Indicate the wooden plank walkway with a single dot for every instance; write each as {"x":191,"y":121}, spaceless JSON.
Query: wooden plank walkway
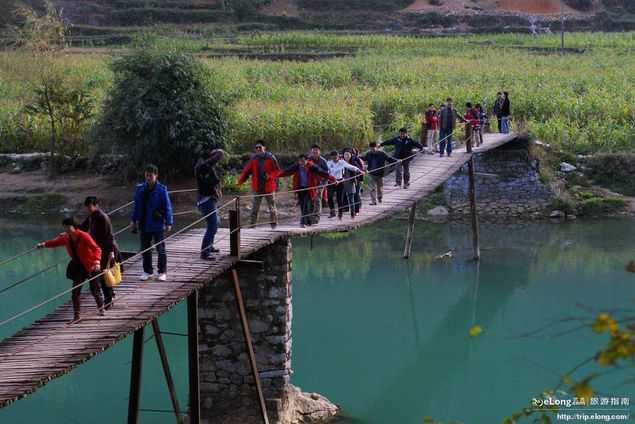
{"x":49,"y":348}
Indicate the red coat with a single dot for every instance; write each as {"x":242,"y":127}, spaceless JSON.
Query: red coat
{"x":270,"y":171}
{"x":314,"y":173}
{"x":87,"y":250}
{"x":472,"y":116}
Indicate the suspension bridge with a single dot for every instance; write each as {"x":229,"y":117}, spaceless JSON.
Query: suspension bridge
{"x":50,"y":348}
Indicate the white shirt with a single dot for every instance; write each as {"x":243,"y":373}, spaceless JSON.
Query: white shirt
{"x":336,"y":169}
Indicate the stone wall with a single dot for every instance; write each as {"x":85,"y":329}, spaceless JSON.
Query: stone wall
{"x":507,"y":185}
{"x":228,"y":393}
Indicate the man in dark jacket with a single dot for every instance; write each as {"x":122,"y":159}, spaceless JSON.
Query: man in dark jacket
{"x":498,"y":110}
{"x":403,"y":151}
{"x":209,"y":191}
{"x":263,"y":168}
{"x":375,"y":164}
{"x":98,"y":225}
{"x":447,"y":122}
{"x":152,"y":216}
{"x":320,"y":162}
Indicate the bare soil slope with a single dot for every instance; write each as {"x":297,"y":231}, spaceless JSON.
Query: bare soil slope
{"x":530,"y":7}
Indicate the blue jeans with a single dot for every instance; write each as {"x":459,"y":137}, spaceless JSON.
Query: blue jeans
{"x":147,"y":240}
{"x":446,"y":140}
{"x":212,"y":226}
{"x":505,"y":124}
{"x":358,"y":196}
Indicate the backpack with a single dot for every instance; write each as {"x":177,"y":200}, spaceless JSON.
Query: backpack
{"x":207,"y":180}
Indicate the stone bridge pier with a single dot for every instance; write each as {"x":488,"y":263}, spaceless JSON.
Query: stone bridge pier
{"x":228,"y":391}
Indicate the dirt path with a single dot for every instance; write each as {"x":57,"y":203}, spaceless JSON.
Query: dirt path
{"x":281,"y":8}
{"x":538,"y":7}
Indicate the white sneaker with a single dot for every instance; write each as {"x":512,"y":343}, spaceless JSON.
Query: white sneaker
{"x":145,"y":276}
{"x":163,"y":277}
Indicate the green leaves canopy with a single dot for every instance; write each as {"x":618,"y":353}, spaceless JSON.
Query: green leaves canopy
{"x":160,"y":111}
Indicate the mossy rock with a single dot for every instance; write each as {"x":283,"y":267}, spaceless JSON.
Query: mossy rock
{"x":600,"y":206}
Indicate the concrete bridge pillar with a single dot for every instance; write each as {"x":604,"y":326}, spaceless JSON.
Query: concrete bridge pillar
{"x":228,"y":392}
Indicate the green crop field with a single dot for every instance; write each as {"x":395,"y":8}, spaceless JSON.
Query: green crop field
{"x":582,"y":101}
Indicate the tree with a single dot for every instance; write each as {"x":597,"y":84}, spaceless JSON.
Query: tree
{"x":67,"y":105}
{"x":160,"y":110}
{"x":40,"y":33}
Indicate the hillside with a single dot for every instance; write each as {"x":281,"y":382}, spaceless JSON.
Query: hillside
{"x":88,"y":16}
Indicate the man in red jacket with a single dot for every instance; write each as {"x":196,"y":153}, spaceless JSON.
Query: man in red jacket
{"x":307,"y":177}
{"x":85,"y":263}
{"x":263,"y":168}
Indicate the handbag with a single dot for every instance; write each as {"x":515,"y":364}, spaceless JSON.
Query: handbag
{"x":112,"y":274}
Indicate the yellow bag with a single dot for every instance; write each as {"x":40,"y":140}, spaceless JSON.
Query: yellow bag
{"x":112,"y":274}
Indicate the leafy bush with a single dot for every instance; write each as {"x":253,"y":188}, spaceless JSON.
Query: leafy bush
{"x":159,"y":110}
{"x":600,"y":206}
{"x":614,"y":171}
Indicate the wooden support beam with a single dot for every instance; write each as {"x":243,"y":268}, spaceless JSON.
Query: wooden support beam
{"x":135,"y":377}
{"x":475,"y":230}
{"x":407,"y":250}
{"x":158,"y":338}
{"x":250,"y":349}
{"x":192,"y":342}
{"x":234,"y":230}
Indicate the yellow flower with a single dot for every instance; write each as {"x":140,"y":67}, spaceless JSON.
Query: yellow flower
{"x":604,"y":359}
{"x":475,"y":330}
{"x":584,"y":391}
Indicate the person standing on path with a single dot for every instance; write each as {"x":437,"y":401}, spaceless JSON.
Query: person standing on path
{"x":349,"y":183}
{"x":321,"y":163}
{"x":85,"y":263}
{"x":306,"y":179}
{"x":447,"y":122}
{"x":152,"y":218}
{"x":209,"y":192}
{"x":403,"y":151}
{"x":376,"y":162}
{"x":263,"y":168}
{"x":99,"y":226}
{"x":498,"y":110}
{"x":505,"y":113}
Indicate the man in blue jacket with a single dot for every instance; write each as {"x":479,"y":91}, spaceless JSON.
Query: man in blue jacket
{"x":152,"y":217}
{"x":403,"y":151}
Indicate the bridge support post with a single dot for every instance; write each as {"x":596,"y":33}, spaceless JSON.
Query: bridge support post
{"x":192,"y":342}
{"x":234,"y":230}
{"x":158,"y":338}
{"x":475,"y":230}
{"x":410,"y":232}
{"x":472,"y":193}
{"x":135,"y":377}
{"x":248,"y":344}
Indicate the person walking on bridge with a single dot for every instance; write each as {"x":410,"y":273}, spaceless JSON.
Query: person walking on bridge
{"x":321,"y":163}
{"x":152,"y":218}
{"x":99,"y":226}
{"x":337,"y":166}
{"x":403,"y":151}
{"x":498,"y":110}
{"x":85,"y":263}
{"x":447,"y":122}
{"x":263,"y":168}
{"x":376,"y":164}
{"x":209,"y":192}
{"x":505,"y":113}
{"x":306,"y":181}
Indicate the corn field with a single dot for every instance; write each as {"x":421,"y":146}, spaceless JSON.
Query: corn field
{"x":582,"y":102}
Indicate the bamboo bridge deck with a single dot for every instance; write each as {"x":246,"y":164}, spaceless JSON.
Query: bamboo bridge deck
{"x":49,"y":348}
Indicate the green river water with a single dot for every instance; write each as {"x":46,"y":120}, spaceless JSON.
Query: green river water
{"x":385,"y":338}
